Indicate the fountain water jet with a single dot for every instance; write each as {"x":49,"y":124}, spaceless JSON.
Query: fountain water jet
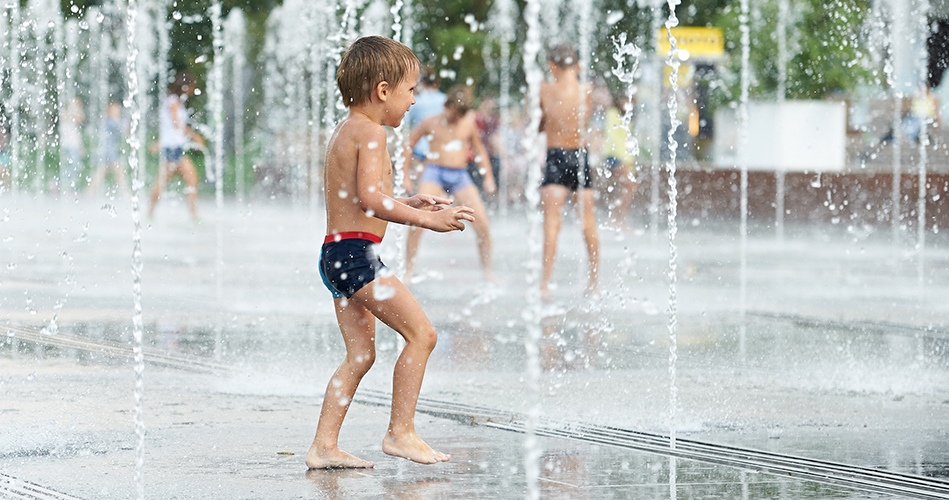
{"x":133,"y":103}
{"x":532,"y":312}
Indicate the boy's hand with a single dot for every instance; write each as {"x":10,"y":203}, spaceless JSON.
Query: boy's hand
{"x":428,"y":202}
{"x":450,"y":219}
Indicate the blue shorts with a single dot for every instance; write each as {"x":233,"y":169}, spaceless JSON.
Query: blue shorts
{"x":349,"y":261}
{"x":173,"y":154}
{"x":451,"y":180}
{"x":563,"y":168}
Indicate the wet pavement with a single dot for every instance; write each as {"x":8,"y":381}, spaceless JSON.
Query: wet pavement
{"x":841,"y":356}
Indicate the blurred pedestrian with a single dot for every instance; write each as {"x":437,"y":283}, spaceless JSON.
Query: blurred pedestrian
{"x":110,"y":137}
{"x":70,"y":141}
{"x":566,"y":105}
{"x":173,"y":136}
{"x":618,"y":151}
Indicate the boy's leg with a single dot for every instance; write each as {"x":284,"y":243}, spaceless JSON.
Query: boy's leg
{"x":626,"y":192}
{"x":402,"y":313}
{"x":471,"y":197}
{"x":552,"y":197}
{"x":358,"y":326}
{"x":190,"y":175}
{"x":163,"y":175}
{"x":415,"y":233}
{"x":590,"y":237}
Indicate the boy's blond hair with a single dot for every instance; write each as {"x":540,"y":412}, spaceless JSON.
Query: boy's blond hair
{"x":369,"y":61}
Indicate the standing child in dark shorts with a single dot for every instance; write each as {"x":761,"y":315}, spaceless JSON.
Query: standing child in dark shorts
{"x":376,"y":78}
{"x":565,"y":105}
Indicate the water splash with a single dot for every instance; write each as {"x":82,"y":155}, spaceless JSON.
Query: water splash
{"x":132,"y":102}
{"x":532,"y":312}
{"x":502,"y":21}
{"x":398,"y":164}
{"x":235,"y":35}
{"x":216,"y":96}
{"x":743,"y":166}
{"x":923,"y":29}
{"x":626,"y":54}
{"x":16,"y":97}
{"x":673,"y":62}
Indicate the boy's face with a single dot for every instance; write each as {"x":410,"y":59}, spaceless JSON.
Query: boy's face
{"x":401,"y":98}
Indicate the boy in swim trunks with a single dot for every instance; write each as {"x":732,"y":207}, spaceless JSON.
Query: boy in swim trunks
{"x":376,"y":78}
{"x":450,"y":135}
{"x":565,"y":105}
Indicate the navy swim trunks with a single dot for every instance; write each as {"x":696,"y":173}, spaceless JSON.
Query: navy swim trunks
{"x":349,"y":261}
{"x":563,"y":167}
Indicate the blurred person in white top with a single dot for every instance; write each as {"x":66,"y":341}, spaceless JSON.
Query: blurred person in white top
{"x":174,"y":134}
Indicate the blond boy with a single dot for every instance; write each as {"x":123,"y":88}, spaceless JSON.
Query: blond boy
{"x":376,"y":78}
{"x":451,"y":134}
{"x":565,"y":106}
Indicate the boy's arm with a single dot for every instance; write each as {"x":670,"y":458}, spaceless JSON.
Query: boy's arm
{"x":416,"y":135}
{"x":484,"y":162}
{"x":373,"y":200}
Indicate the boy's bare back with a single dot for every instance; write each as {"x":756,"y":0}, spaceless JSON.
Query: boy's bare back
{"x":560,"y":104}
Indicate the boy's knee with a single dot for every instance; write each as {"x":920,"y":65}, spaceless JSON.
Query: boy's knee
{"x":363,"y":361}
{"x":427,"y":338}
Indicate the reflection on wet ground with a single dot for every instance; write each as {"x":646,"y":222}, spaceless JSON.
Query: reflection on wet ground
{"x":842,"y":354}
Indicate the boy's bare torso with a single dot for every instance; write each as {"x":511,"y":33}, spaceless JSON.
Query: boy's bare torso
{"x":343,"y":211}
{"x":449,"y":141}
{"x":560,"y":103}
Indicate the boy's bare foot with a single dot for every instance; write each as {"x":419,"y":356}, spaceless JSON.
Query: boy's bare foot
{"x":334,"y":459}
{"x":413,"y":448}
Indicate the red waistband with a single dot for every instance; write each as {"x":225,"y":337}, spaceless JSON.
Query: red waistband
{"x":351,"y":235}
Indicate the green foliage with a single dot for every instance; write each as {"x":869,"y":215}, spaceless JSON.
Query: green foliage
{"x":824,"y":51}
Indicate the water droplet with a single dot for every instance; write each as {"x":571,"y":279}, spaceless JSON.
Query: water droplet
{"x":372,"y":145}
{"x":389,"y":204}
{"x":343,"y":194}
{"x":383,"y":292}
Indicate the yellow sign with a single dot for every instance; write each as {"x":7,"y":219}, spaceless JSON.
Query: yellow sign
{"x":701,"y":43}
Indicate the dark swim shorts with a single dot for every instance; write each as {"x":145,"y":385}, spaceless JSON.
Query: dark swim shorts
{"x":349,"y":261}
{"x":563,"y":165}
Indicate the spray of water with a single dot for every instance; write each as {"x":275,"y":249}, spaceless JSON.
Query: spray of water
{"x":534,"y":76}
{"x":779,"y":175}
{"x":889,"y":69}
{"x":626,"y":54}
{"x":16,"y":48}
{"x":502,"y":21}
{"x":742,"y":141}
{"x":922,"y":27}
{"x":398,"y":164}
{"x":132,"y":104}
{"x":234,"y":34}
{"x":673,"y":62}
{"x":657,"y":134}
{"x":216,"y":95}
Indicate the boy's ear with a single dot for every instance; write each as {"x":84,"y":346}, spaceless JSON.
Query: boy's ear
{"x":382,"y":90}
